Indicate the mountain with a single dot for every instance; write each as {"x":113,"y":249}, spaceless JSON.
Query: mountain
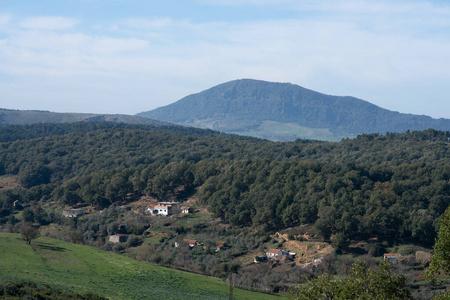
{"x":284,"y":111}
{"x":23,"y":117}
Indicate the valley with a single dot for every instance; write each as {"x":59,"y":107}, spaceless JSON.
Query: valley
{"x":268,"y":215}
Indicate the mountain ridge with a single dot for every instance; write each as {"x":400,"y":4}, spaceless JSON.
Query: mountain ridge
{"x":25,"y":117}
{"x":246,"y":106}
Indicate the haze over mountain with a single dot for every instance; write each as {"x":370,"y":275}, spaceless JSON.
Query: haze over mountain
{"x":23,"y":117}
{"x":284,"y":111}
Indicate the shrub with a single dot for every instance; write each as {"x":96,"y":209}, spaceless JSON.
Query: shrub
{"x":423,"y":258}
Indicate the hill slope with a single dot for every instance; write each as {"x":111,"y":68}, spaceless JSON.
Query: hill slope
{"x":283,"y":111}
{"x":22,"y":117}
{"x":85,"y":269}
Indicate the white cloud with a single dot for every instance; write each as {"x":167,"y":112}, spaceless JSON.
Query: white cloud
{"x":147,"y":24}
{"x":376,"y":51}
{"x":48,"y":23}
{"x":4,"y":19}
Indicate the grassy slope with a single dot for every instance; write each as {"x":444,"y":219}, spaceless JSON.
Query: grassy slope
{"x":85,"y":269}
{"x":284,"y":132}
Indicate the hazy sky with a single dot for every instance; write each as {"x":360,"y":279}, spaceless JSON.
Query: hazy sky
{"x":128,"y":56}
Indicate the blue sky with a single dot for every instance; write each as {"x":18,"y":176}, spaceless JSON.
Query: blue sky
{"x":130,"y":56}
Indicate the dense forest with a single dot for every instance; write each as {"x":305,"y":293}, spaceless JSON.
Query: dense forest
{"x":392,"y":186}
{"x":10,"y":133}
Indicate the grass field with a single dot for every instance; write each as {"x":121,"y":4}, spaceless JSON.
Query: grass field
{"x":85,"y":269}
{"x":288,"y":131}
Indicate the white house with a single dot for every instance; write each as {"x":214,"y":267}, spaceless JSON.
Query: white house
{"x":162,"y":210}
{"x":272,"y":253}
{"x":72,"y":213}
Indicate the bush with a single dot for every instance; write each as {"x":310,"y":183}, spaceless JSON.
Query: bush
{"x":133,"y":241}
{"x":408,"y":260}
{"x":117,"y":248}
{"x":407,"y":249}
{"x":423,"y":258}
{"x":375,"y":249}
{"x":340,"y":243}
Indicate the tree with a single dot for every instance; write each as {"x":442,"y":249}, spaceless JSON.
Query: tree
{"x":28,"y":232}
{"x":340,"y":243}
{"x":35,"y":176}
{"x":440,"y":263}
{"x":231,"y":268}
{"x":28,"y":215}
{"x":361,"y":283}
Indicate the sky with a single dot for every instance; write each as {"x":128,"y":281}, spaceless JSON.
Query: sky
{"x":129,"y":56}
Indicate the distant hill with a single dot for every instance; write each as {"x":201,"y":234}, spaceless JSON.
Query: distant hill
{"x":23,"y":117}
{"x":284,"y":111}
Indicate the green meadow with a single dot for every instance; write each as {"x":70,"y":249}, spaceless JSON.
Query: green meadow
{"x":84,"y":269}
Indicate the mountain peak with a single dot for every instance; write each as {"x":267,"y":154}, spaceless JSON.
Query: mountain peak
{"x":285,"y":111}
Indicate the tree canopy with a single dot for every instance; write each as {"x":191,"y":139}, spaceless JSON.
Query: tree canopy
{"x":440,"y":264}
{"x":361,"y":283}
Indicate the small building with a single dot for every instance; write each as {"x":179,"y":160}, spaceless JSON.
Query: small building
{"x":318,"y":261}
{"x":392,"y":257}
{"x":161,"y":210}
{"x":192,"y":243}
{"x":220,"y":246}
{"x":272,"y":253}
{"x":164,"y":208}
{"x":72,"y":213}
{"x":186,"y":210}
{"x":174,"y":205}
{"x":118,"y":238}
{"x":17,"y":204}
{"x":280,"y":254}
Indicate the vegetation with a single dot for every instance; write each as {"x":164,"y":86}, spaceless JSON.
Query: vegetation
{"x":440,"y":263}
{"x":364,"y":196}
{"x":11,"y":133}
{"x":28,"y":232}
{"x":21,"y":117}
{"x":359,"y":188}
{"x":83,"y":269}
{"x":361,"y":283}
{"x":30,"y":290}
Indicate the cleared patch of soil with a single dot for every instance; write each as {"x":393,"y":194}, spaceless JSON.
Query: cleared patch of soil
{"x":9,"y":181}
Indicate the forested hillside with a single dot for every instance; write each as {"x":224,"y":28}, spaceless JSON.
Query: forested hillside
{"x":391,"y":186}
{"x":10,"y":133}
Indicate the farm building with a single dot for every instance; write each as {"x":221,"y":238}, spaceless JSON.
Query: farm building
{"x":72,"y":213}
{"x":118,"y":238}
{"x":186,"y":210}
{"x":164,"y":208}
{"x":392,"y":257}
{"x":220,"y":246}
